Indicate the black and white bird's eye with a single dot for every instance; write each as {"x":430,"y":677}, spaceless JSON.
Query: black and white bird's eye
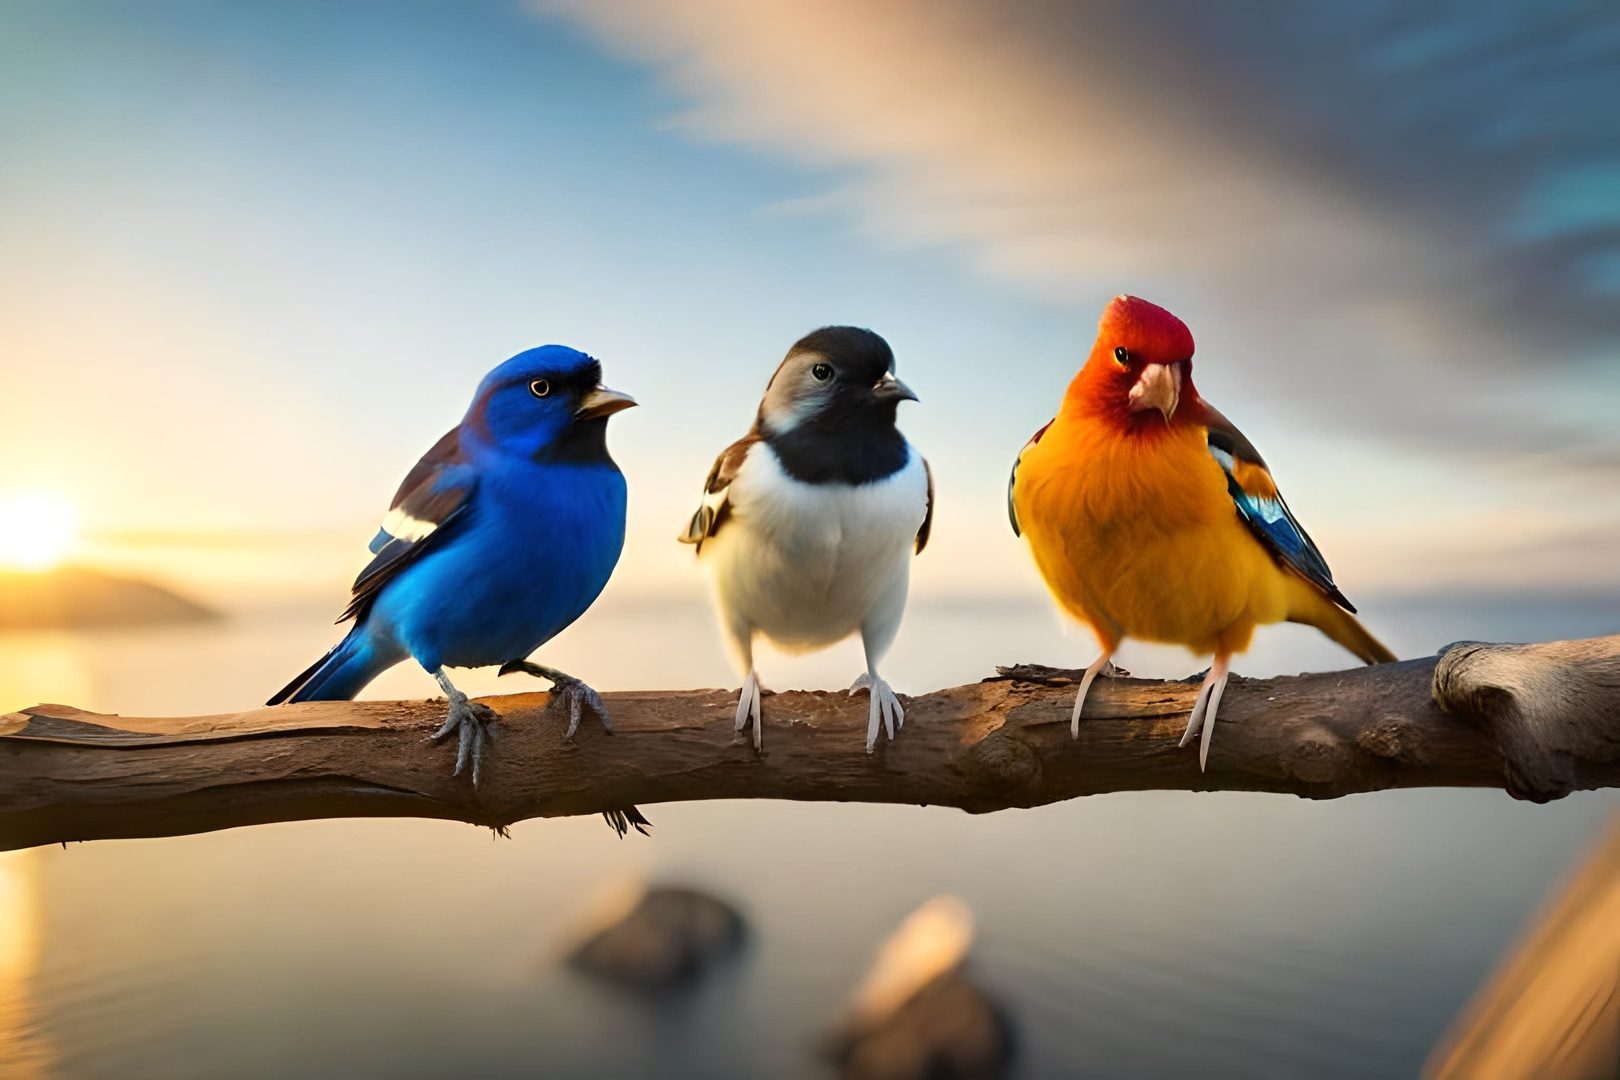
{"x":822,"y":372}
{"x":540,"y":387}
{"x":1123,"y":355}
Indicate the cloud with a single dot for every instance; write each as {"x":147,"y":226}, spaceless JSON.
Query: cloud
{"x":1399,"y":217}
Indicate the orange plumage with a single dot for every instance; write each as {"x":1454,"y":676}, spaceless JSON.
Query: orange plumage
{"x":1150,"y":515}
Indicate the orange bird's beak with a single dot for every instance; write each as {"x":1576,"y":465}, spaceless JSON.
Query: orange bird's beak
{"x":1158,"y":387}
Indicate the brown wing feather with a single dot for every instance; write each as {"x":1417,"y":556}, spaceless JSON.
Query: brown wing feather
{"x":447,"y":451}
{"x":715,"y":508}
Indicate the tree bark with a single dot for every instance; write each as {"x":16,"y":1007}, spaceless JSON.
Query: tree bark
{"x":1537,"y":720}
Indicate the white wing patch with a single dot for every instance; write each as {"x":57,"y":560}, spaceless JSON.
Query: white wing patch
{"x":402,"y":526}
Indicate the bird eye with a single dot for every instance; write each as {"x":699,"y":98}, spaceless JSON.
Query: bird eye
{"x":822,"y":372}
{"x":540,"y":388}
{"x":1123,"y":355}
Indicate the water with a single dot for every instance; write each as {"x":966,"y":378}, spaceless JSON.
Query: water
{"x":1157,"y":934}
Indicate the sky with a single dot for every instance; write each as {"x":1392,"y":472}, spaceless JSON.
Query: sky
{"x":255,"y":257}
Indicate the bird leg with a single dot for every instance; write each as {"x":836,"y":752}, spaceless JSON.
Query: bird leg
{"x":473,"y":723}
{"x":1204,"y":709}
{"x":748,"y":707}
{"x":565,"y":689}
{"x":1097,"y":665}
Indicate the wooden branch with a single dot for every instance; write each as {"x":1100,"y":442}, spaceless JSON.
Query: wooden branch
{"x":1540,"y":720}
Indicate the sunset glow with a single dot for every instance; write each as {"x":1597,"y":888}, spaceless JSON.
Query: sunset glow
{"x":37,"y":531}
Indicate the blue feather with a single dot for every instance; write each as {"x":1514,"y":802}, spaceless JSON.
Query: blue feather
{"x":1268,"y":517}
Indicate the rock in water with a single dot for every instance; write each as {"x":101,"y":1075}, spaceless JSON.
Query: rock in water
{"x":917,"y":1015}
{"x":669,"y":936}
{"x":948,"y":1030}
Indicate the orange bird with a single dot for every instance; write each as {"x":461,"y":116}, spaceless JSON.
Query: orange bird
{"x":1150,"y":515}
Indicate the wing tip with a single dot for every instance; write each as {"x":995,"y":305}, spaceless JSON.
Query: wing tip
{"x":698,"y":529}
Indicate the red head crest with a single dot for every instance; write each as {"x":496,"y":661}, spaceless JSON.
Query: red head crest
{"x":1145,"y":330}
{"x":1142,"y":360}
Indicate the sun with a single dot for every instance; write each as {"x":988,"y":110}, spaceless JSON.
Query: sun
{"x":37,"y":531}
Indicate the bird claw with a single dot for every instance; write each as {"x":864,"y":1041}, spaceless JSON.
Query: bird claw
{"x":1100,"y":666}
{"x":473,"y":723}
{"x":1204,"y":710}
{"x":565,"y":690}
{"x":748,"y":708}
{"x":579,"y":697}
{"x":885,"y":709}
{"x":1195,"y":722}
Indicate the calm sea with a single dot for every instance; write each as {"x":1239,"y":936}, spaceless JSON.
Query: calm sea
{"x":1156,"y":934}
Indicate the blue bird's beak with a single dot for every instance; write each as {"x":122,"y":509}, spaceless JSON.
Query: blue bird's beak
{"x":603,"y":402}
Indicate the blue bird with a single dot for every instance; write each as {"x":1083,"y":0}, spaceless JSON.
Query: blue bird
{"x":501,"y":536}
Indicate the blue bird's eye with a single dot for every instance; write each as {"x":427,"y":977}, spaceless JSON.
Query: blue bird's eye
{"x":540,"y":388}
{"x":822,"y":372}
{"x":1123,"y":355}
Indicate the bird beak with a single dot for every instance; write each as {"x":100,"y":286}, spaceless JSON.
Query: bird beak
{"x":890,"y":388}
{"x":1158,"y":387}
{"x":603,"y":402}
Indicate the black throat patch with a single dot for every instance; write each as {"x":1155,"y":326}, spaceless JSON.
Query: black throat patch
{"x":849,"y":446}
{"x":584,"y":442}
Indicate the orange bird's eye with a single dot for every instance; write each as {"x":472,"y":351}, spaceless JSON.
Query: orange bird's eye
{"x":1123,"y":355}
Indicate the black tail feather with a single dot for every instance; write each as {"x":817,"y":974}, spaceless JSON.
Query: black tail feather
{"x":303,"y":677}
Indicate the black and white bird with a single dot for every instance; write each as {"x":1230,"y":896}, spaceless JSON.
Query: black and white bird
{"x":809,"y":521}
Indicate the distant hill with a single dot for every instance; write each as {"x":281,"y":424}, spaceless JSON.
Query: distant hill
{"x":73,"y":597}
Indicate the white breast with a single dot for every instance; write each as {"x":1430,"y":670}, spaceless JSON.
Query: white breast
{"x":806,"y":564}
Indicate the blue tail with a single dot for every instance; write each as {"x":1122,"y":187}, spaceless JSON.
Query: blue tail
{"x":339,"y":675}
